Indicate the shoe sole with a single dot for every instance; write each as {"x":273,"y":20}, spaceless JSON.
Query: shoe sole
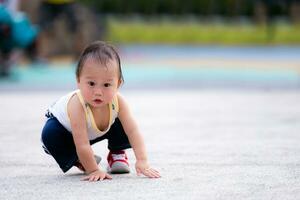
{"x":81,"y":168}
{"x":119,"y":168}
{"x":98,"y":159}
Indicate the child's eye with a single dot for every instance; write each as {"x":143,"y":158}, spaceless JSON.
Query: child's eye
{"x":107,"y":84}
{"x":91,"y":83}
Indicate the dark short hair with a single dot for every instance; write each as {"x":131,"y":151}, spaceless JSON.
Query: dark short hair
{"x":101,"y":51}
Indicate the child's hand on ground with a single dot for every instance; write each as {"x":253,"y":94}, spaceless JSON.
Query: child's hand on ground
{"x":142,"y":167}
{"x":96,"y":176}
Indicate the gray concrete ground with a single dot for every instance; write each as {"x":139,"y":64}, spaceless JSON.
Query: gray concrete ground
{"x":207,"y":144}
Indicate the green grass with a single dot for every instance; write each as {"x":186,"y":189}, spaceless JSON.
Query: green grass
{"x":171,"y":32}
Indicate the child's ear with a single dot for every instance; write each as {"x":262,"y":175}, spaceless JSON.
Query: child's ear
{"x":119,"y":83}
{"x":77,"y":81}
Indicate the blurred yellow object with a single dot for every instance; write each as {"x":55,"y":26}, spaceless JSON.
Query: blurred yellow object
{"x":59,"y":1}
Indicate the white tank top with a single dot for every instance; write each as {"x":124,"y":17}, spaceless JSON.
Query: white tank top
{"x":59,"y":110}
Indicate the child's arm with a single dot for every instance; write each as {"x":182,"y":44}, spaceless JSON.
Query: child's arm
{"x":136,"y":140}
{"x":83,"y":147}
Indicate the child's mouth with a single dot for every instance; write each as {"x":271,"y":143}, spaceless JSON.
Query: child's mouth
{"x":98,"y":101}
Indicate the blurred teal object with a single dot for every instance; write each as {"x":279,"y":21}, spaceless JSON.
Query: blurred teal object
{"x":5,"y":17}
{"x":22,"y":32}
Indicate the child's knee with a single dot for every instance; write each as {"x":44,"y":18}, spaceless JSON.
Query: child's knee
{"x":49,"y":133}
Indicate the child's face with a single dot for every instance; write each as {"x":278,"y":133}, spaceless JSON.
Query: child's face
{"x":98,"y":83}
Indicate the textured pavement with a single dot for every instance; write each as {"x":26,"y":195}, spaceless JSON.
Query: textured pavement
{"x":207,"y":144}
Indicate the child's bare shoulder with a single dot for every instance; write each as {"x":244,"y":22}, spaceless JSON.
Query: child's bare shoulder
{"x":74,"y":106}
{"x":123,"y":105}
{"x":121,"y":100}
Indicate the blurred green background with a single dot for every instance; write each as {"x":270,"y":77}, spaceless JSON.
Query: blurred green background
{"x":225,"y":22}
{"x":201,"y":22}
{"x":172,"y":42}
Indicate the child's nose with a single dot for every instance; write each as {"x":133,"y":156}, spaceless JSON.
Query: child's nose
{"x":98,"y":92}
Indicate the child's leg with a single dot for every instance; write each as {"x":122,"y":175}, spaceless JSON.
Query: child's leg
{"x":117,"y":138}
{"x":59,"y":143}
{"x":117,"y":143}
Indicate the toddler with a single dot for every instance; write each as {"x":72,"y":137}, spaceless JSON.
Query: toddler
{"x":94,"y":112}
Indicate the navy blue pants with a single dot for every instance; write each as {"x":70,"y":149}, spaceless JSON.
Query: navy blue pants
{"x":59,"y":143}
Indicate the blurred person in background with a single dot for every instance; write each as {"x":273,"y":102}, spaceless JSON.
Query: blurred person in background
{"x":16,"y":32}
{"x":51,"y":11}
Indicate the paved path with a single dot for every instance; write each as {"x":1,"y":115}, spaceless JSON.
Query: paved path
{"x":208,"y":144}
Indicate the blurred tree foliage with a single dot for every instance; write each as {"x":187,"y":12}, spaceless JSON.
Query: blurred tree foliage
{"x":228,"y":8}
{"x":272,"y":21}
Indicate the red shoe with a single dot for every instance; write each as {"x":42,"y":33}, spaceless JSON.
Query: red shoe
{"x":118,"y":162}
